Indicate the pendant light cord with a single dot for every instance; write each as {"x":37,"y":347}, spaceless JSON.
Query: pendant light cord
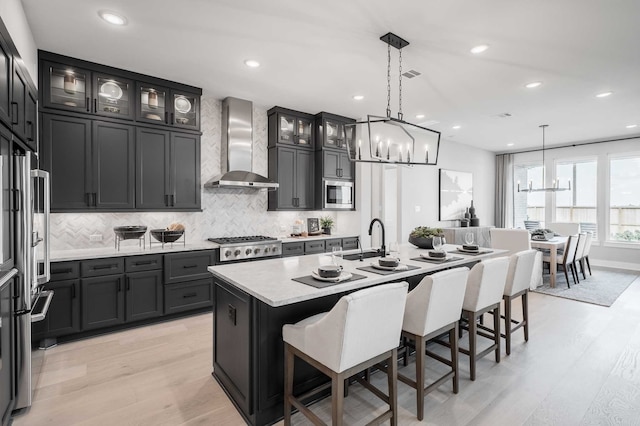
{"x":389,"y":80}
{"x":400,"y":85}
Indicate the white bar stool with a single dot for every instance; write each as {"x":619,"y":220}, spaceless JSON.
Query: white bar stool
{"x":361,"y":330}
{"x":433,"y":308}
{"x":521,"y":267}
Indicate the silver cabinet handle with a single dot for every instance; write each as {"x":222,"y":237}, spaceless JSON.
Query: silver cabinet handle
{"x":37,"y":317}
{"x":46,"y":275}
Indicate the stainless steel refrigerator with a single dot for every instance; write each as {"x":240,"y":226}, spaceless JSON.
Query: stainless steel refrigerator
{"x":25,"y":221}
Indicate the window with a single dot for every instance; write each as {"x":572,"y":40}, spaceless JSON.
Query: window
{"x":624,"y":199}
{"x":528,"y":205}
{"x":579,"y":204}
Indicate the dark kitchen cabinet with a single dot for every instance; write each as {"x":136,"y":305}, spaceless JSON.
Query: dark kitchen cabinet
{"x":144,"y":295}
{"x":162,"y":105}
{"x":19,"y":103}
{"x":65,"y":86}
{"x":288,"y":127}
{"x":293,"y":169}
{"x":331,"y":131}
{"x":167,"y":170}
{"x":103,"y":301}
{"x":6,"y":59}
{"x":336,"y":165}
{"x":63,"y":316}
{"x":92,"y":163}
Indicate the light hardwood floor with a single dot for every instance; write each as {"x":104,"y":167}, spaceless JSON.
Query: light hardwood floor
{"x":581,"y":366}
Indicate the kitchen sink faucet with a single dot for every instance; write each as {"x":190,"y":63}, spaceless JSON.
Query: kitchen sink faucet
{"x":383,"y":249}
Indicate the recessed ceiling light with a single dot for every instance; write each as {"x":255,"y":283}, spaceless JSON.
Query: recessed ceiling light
{"x":603,"y":94}
{"x":419,"y":115}
{"x":358,"y":97}
{"x":252,"y":63}
{"x":479,"y":49}
{"x":112,"y":17}
{"x":456,"y":127}
{"x":631,"y":126}
{"x":533,"y":84}
{"x":510,"y":144}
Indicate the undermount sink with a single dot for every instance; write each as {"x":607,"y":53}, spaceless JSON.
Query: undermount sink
{"x":365,"y":255}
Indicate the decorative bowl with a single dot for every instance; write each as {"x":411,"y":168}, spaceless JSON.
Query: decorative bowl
{"x":130,"y":232}
{"x":166,"y":236}
{"x":423,"y":242}
{"x":329,"y":271}
{"x":390,"y":262}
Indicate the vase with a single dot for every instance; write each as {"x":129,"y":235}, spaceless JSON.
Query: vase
{"x":326,"y":231}
{"x":472,"y":210}
{"x":466,"y":214}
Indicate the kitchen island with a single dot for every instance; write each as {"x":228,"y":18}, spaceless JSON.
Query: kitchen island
{"x":254,"y":300}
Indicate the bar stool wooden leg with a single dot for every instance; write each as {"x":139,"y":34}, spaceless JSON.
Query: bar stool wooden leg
{"x":288,"y":383}
{"x":496,"y":330}
{"x":453,"y":340}
{"x":392,"y":379}
{"x":337,"y":398}
{"x":472,"y":344}
{"x":507,"y":324}
{"x":525,"y":314}
{"x":421,"y":346}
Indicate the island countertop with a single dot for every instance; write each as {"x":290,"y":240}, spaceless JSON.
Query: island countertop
{"x":271,"y":281}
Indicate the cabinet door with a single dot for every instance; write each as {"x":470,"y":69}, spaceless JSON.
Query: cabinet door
{"x":286,"y":178}
{"x":152,"y":103}
{"x":31,"y":119}
{"x":185,"y":171}
{"x":144,"y":295}
{"x":113,"y":96}
{"x":102,"y":301}
{"x":113,"y":165}
{"x":330,"y":164}
{"x":185,"y":110}
{"x":304,"y":133}
{"x":66,"y":87}
{"x":346,"y":166}
{"x":5,"y":83}
{"x":66,"y":154}
{"x":152,"y":169}
{"x":63,"y":316}
{"x":286,"y":125}
{"x":18,"y":102}
{"x":6,"y":215}
{"x":304,"y":179}
{"x":332,"y":134}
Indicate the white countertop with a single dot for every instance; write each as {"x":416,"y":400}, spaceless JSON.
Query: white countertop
{"x":128,"y":250}
{"x":315,"y":237}
{"x":271,"y":281}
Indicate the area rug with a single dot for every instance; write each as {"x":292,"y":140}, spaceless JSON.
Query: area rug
{"x":601,"y":288}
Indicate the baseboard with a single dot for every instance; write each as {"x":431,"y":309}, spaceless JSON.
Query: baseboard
{"x":617,"y":265}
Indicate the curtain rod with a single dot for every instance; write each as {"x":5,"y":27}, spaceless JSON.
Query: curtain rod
{"x":571,"y":145}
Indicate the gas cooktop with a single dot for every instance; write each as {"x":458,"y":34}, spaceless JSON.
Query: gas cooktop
{"x":240,"y":240}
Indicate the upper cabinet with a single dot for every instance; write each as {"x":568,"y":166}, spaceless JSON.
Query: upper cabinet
{"x":288,"y":127}
{"x":5,"y":83}
{"x":83,"y":87}
{"x":178,"y":108}
{"x":331,"y":131}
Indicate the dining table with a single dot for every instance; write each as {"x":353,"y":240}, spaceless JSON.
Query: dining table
{"x":552,"y":245}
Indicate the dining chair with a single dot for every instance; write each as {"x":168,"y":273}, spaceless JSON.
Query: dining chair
{"x":531,"y":224}
{"x":517,"y":240}
{"x":579,"y":257}
{"x":589,"y":227}
{"x":485,"y":287}
{"x":433,"y":308}
{"x":567,"y":259}
{"x":564,"y":228}
{"x":353,"y":336}
{"x":587,"y":249}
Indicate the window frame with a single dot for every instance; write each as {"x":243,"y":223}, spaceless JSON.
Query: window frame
{"x":608,"y":242}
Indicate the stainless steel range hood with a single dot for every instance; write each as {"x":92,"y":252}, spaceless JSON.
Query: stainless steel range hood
{"x":237,"y":148}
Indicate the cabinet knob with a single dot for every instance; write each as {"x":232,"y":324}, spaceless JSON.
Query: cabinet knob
{"x":247,"y":251}
{"x":227,"y":253}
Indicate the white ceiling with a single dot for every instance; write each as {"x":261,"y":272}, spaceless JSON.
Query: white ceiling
{"x":316,"y":55}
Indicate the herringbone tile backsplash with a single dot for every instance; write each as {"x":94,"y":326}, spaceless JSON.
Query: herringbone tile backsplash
{"x":226,"y":212}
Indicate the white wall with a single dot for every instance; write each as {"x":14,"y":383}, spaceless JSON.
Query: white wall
{"x":602,"y":252}
{"x":14,"y":19}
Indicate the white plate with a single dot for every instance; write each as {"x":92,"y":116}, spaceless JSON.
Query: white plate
{"x":329,"y":131}
{"x":111,"y":89}
{"x":438,"y":259}
{"x":153,"y":116}
{"x":182,"y":104}
{"x":286,"y":126}
{"x":343,"y":277}
{"x":400,"y":267}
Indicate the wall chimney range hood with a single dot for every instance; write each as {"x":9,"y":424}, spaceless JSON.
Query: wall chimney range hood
{"x":237,"y":149}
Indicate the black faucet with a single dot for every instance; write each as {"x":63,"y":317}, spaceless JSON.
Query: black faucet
{"x":383,"y":249}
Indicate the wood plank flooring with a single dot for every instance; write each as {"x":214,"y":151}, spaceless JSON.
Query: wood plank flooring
{"x":581,"y":366}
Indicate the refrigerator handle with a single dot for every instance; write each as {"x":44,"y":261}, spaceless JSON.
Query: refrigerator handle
{"x":46,"y":275}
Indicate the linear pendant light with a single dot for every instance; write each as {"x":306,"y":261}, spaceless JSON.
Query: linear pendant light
{"x":556,"y":183}
{"x":392,"y":140}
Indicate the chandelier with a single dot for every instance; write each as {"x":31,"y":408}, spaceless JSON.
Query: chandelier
{"x":556,"y":182}
{"x":393,"y":140}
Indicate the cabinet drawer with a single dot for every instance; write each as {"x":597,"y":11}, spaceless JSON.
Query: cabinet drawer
{"x":187,"y":296}
{"x":99,"y":267}
{"x":311,"y":247}
{"x":350,"y":243}
{"x":329,"y":244}
{"x":187,"y":266}
{"x":65,"y":271}
{"x":143,"y":263}
{"x":292,"y":249}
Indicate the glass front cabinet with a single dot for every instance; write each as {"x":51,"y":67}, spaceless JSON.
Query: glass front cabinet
{"x":333,"y":133}
{"x":294,"y":130}
{"x":157,"y":104}
{"x":113,"y":96}
{"x":67,"y":87}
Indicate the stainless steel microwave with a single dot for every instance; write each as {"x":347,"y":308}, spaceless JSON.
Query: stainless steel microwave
{"x":338,"y":195}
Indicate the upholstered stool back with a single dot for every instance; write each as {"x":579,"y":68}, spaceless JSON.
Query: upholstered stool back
{"x":514,"y":240}
{"x":486,"y":283}
{"x":520,"y":271}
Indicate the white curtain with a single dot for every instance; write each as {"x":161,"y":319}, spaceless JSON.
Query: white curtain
{"x":504,"y":191}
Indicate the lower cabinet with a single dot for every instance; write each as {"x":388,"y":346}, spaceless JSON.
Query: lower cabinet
{"x":102,"y":301}
{"x":63,"y":316}
{"x":187,"y":296}
{"x":144,"y":295}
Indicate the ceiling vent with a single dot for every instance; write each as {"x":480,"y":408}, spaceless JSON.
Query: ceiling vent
{"x":411,"y":73}
{"x":502,"y":115}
